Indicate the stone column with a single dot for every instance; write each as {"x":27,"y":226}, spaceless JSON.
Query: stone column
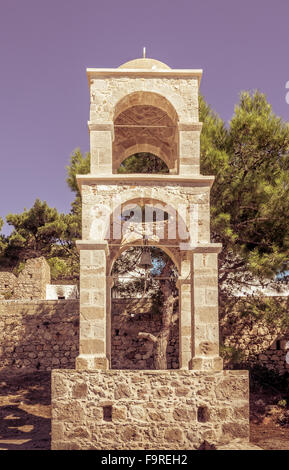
{"x":93,"y":306}
{"x":101,"y":137}
{"x":189,"y":148}
{"x":185,"y":308}
{"x":205,"y":312}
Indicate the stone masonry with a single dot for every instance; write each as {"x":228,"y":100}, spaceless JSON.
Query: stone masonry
{"x":148,"y":409}
{"x":44,"y":335}
{"x":145,"y":106}
{"x":30,"y":284}
{"x":38,"y":334}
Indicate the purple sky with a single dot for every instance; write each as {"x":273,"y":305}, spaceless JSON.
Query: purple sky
{"x":45,"y":47}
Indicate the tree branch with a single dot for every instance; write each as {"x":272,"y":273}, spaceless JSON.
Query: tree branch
{"x":148,"y":336}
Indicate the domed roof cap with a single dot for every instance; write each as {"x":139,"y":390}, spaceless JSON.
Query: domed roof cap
{"x":145,"y":63}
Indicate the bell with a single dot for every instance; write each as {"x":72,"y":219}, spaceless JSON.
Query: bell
{"x":145,"y":260}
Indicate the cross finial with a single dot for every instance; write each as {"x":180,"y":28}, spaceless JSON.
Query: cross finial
{"x":144,"y":52}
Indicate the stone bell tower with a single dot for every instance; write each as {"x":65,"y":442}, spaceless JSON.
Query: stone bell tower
{"x":144,"y":106}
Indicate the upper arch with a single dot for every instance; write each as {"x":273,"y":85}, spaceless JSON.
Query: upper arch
{"x":145,"y":98}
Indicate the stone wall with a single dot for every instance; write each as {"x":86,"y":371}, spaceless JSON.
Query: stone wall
{"x":8,"y":283}
{"x":106,"y":93}
{"x":148,"y":409}
{"x":127,"y":350}
{"x":29,"y":284}
{"x":38,"y":334}
{"x":44,"y":335}
{"x":255,"y":341}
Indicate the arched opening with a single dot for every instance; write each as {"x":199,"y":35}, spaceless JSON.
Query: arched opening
{"x":143,"y":162}
{"x":138,"y":219}
{"x":145,"y":122}
{"x":145,"y":98}
{"x":144,"y":310}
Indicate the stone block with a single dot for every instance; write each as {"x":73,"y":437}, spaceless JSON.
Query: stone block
{"x":206,"y":364}
{"x":97,"y":297}
{"x":174,"y":435}
{"x":119,"y":413}
{"x":211,"y":297}
{"x":205,"y":314}
{"x":57,"y":431}
{"x":79,"y":390}
{"x":91,"y":346}
{"x":92,"y":313}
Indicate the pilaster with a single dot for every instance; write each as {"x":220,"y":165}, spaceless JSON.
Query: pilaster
{"x":101,"y":137}
{"x":205,"y":312}
{"x":93,"y":306}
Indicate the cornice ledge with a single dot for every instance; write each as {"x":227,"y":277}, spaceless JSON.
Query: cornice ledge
{"x":106,"y":72}
{"x":202,"y":247}
{"x":100,"y":126}
{"x":89,"y":178}
{"x":92,"y":245}
{"x":190,"y":126}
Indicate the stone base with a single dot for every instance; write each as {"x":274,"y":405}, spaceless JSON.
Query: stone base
{"x":132,"y":409}
{"x":91,"y":362}
{"x":239,"y":444}
{"x":206,"y":364}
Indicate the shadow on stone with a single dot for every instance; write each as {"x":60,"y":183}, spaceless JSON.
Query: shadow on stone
{"x":207,"y":446}
{"x":25,"y":421}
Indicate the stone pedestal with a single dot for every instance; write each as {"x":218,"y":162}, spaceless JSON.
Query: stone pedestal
{"x":148,"y":409}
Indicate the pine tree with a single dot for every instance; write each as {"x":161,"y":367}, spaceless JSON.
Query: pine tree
{"x":250,"y":197}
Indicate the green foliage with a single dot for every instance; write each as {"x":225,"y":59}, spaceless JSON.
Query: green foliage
{"x":19,"y":268}
{"x":282,"y":403}
{"x":3,"y":240}
{"x":248,"y":311}
{"x":232,"y":356}
{"x":79,"y":165}
{"x":59,"y":268}
{"x":35,"y":231}
{"x":250,"y":197}
{"x":272,"y":310}
{"x":143,"y":163}
{"x":214,"y":142}
{"x":42,"y":231}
